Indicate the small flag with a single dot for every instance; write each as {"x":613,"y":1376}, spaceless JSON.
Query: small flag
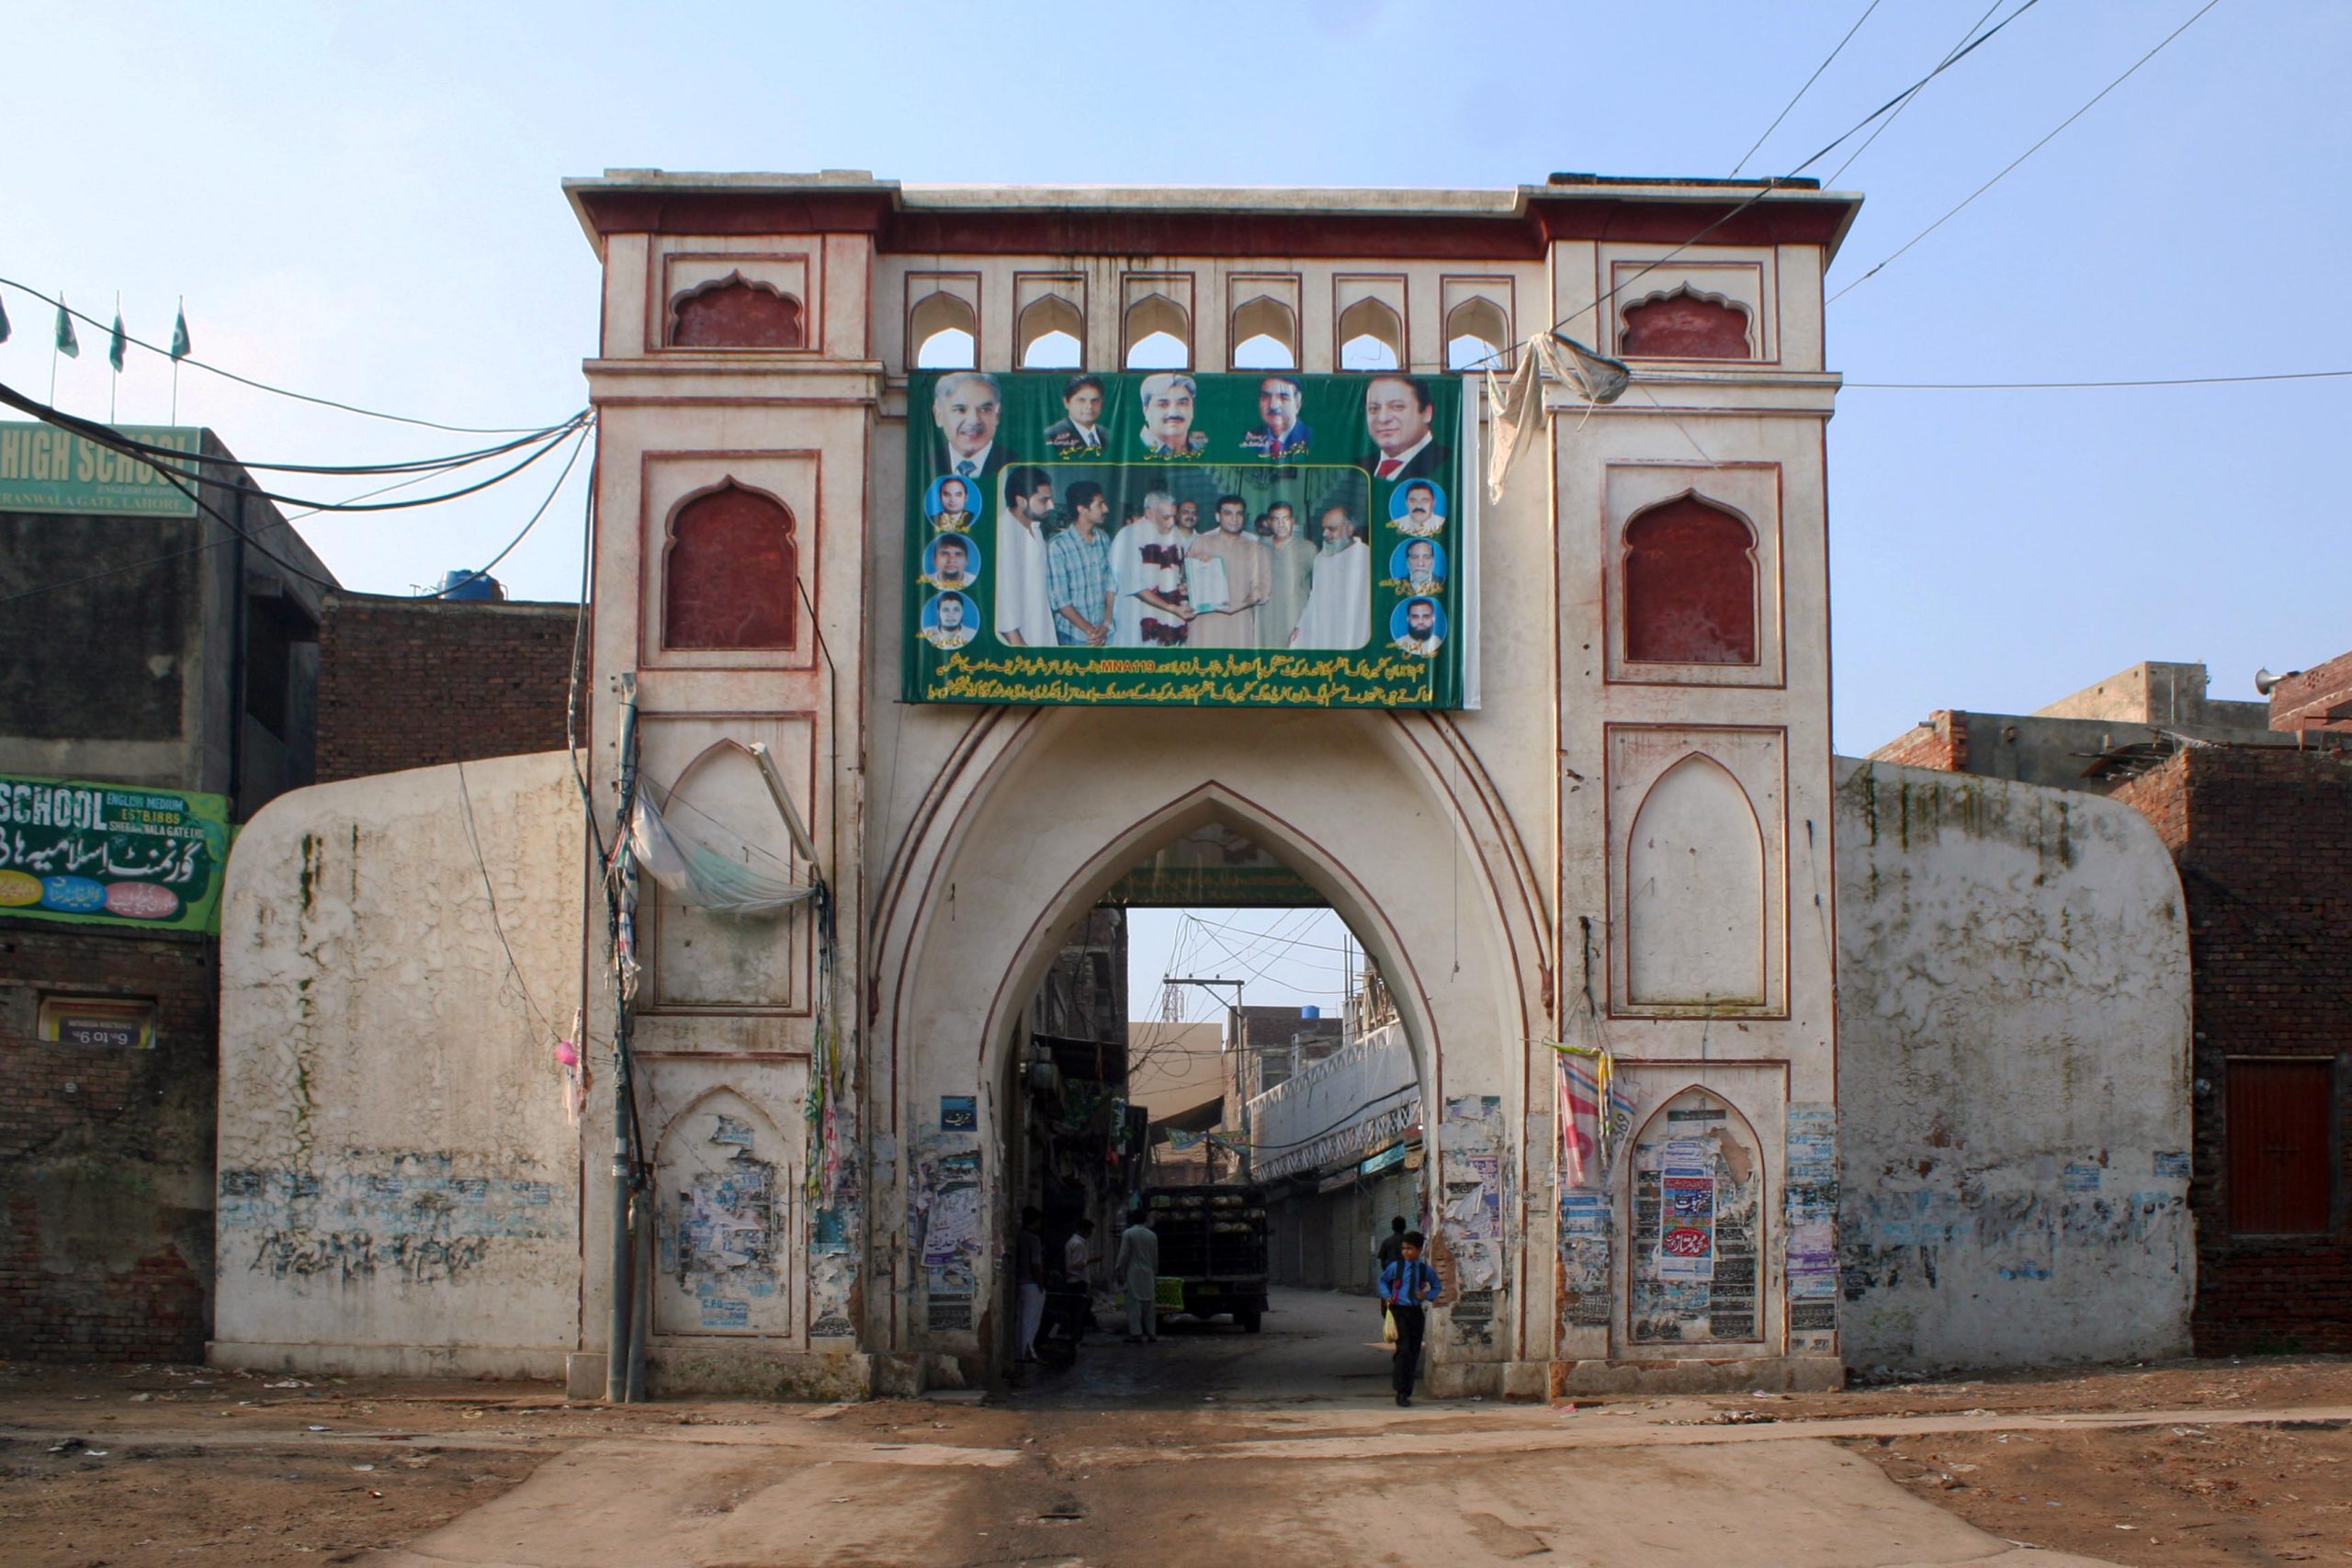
{"x":4,"y":323}
{"x":118,"y":345}
{"x":179,"y":335}
{"x":67,"y":344}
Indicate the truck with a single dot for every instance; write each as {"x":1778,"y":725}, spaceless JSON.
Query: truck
{"x":1212,"y":1251}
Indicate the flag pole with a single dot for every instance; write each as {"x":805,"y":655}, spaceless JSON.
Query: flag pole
{"x":56,"y":341}
{"x":180,"y":322}
{"x":114,"y":358}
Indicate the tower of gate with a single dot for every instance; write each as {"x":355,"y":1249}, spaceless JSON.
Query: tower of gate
{"x":1624,"y":846}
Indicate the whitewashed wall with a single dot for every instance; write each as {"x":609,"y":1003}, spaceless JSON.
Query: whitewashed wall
{"x":2013,"y":1074}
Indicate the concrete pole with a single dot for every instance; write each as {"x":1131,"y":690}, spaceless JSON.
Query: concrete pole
{"x":624,"y":1280}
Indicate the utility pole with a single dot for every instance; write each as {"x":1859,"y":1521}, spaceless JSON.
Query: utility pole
{"x":1233,"y":1032}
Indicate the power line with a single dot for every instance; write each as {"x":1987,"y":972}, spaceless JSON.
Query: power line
{"x":2021,"y":157}
{"x":265,"y":386}
{"x":577,"y":445}
{"x":2077,"y":385}
{"x":1806,"y":88}
{"x":1873,"y":136}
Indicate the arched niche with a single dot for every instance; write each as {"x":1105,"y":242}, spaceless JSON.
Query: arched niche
{"x":1372,"y":337}
{"x":1697,"y":1245}
{"x":1264,"y":335}
{"x":1691,"y":584}
{"x":1049,"y":335}
{"x":724,"y":1235}
{"x":1158,"y":334}
{"x":944,"y":332}
{"x":705,"y":960}
{"x":1686,"y":323}
{"x":1694,"y":868}
{"x":735,"y":312}
{"x":730,"y":572}
{"x":1476,"y":334}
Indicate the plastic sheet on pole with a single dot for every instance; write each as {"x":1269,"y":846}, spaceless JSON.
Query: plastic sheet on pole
{"x":708,"y":872}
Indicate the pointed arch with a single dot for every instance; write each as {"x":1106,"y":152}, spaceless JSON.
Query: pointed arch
{"x":1049,"y":335}
{"x":942,"y":333}
{"x":1372,"y":336}
{"x":1695,"y":1263}
{"x":1158,"y":335}
{"x":723,"y":1221}
{"x":1684,"y":323}
{"x":1476,"y":330}
{"x":736,"y":311}
{"x":698,"y":959}
{"x":1691,"y":583}
{"x":1695,"y":919}
{"x":1264,"y":334}
{"x":730,"y":570}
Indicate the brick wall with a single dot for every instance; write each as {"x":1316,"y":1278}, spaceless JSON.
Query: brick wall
{"x":1941,"y":743}
{"x":105,"y":1153}
{"x":2262,"y":838}
{"x":2315,"y":699}
{"x":412,"y":683}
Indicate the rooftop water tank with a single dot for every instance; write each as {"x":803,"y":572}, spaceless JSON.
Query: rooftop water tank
{"x":470,"y":586}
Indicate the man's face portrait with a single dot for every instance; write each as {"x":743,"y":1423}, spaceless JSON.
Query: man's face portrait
{"x":1231,"y":516}
{"x":1168,"y":411}
{"x":947,"y":558}
{"x":952,"y":497}
{"x":1420,"y":504}
{"x":1162,"y":513}
{"x":1093,"y":512}
{"x":1188,"y":514}
{"x":1393,"y":416}
{"x":1420,"y":617}
{"x":1084,"y":407}
{"x":965,"y":407}
{"x":1420,"y":560}
{"x":951,"y":613}
{"x":1280,"y":522}
{"x":1337,"y":532}
{"x":1038,"y":505}
{"x":1278,"y":406}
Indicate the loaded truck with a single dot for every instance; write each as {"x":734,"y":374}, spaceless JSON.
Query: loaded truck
{"x":1212,"y":1251}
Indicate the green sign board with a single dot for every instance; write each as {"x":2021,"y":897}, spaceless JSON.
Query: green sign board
{"x":1259,"y":539}
{"x":111,"y":854}
{"x":43,"y":469}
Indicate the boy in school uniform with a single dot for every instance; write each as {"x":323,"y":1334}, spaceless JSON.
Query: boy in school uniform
{"x":1407,"y":1287}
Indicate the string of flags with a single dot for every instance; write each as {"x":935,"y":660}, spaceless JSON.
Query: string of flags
{"x":68,"y":342}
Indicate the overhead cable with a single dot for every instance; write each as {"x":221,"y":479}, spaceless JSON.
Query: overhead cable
{"x":1965,"y":34}
{"x":2082,"y":386}
{"x":1806,"y":88}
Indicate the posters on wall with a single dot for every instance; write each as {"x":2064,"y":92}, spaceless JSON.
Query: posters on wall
{"x":1812,"y":1218}
{"x":1250,"y":539}
{"x":1686,"y":1242}
{"x":106,"y":855}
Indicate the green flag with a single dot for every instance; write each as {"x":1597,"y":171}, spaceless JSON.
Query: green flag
{"x":179,"y":335}
{"x":67,"y":344}
{"x":4,"y":323}
{"x":117,"y":344}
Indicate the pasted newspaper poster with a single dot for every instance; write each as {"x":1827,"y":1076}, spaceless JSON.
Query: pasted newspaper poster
{"x":1250,"y":539}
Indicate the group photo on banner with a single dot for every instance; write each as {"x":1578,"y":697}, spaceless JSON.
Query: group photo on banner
{"x":1254,"y":539}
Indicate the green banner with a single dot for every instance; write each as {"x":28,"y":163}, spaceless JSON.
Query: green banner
{"x":43,"y":469}
{"x":1259,"y":539}
{"x":109,"y":854}
{"x":1213,"y":866}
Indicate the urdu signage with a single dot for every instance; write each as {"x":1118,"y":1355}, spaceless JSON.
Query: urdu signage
{"x":107,"y":854}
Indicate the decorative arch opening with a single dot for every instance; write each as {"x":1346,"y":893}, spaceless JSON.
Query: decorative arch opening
{"x":723,"y":1222}
{"x":1695,"y":891}
{"x":1372,"y":337}
{"x":1264,"y":335}
{"x":946,"y":333}
{"x":1691,"y":584}
{"x":1686,"y":323}
{"x":701,"y":958}
{"x":1475,"y":333}
{"x":1158,"y":334}
{"x":1050,"y":334}
{"x":735,"y":312}
{"x":729,"y":573}
{"x":1696,"y":1262}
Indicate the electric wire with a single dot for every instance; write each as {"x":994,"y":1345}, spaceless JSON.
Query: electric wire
{"x":473,"y":840}
{"x":265,"y":386}
{"x":2021,"y":157}
{"x":1806,"y":88}
{"x":1964,"y":35}
{"x":2088,"y":386}
{"x":579,"y":445}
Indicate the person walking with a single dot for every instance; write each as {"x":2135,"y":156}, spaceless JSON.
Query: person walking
{"x":1407,"y":1287}
{"x":1138,"y":1267}
{"x":1031,"y":1272}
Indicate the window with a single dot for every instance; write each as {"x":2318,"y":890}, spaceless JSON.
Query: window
{"x":2279,"y":1145}
{"x":945,"y":332}
{"x":1158,"y":334}
{"x":1689,"y":585}
{"x":1051,"y":334}
{"x":1372,"y":337}
{"x":1265,"y":335}
{"x":735,"y":312}
{"x":273,"y":627}
{"x":729,"y":576}
{"x":1475,"y":334}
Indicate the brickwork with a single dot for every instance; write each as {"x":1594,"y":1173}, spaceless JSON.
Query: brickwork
{"x":1940,"y":743}
{"x":106,"y":1152}
{"x":2262,"y":838}
{"x":2319,"y":699}
{"x":414,"y":683}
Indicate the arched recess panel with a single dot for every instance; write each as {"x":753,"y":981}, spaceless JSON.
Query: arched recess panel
{"x":705,"y":961}
{"x":1049,"y":335}
{"x":1694,"y":877}
{"x":1264,"y":335}
{"x":1696,"y":1260}
{"x":1690,"y":586}
{"x":1158,"y":334}
{"x":735,"y":312}
{"x":723,"y":1229}
{"x":729,"y":570}
{"x":942,"y":333}
{"x":1687,"y":323}
{"x":1475,"y":331}
{"x":1372,"y":337}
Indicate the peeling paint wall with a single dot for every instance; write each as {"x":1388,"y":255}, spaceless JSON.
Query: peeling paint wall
{"x":399,"y":1182}
{"x":2013,"y":1084}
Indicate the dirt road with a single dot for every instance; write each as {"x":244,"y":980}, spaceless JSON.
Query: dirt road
{"x":1279,"y":1447}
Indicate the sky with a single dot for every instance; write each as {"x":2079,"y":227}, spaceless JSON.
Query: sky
{"x":362,"y":203}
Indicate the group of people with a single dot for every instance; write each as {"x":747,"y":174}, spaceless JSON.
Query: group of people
{"x":1135,"y":1266}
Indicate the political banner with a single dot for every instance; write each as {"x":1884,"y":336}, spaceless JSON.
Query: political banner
{"x":1256,"y":539}
{"x":110,"y":854}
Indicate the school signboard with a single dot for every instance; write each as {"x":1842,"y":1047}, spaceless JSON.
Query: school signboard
{"x":43,"y":469}
{"x":111,"y":854}
{"x":1257,"y":539}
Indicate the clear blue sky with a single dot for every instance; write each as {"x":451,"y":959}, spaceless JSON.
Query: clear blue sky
{"x":362,"y":202}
